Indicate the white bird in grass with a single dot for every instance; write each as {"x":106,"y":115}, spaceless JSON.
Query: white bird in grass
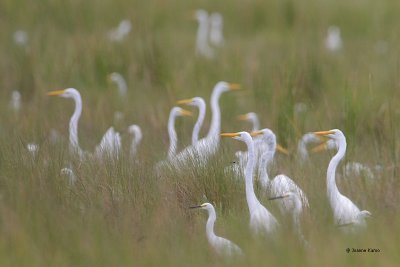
{"x":280,"y":184}
{"x":216,"y":29}
{"x":222,"y":246}
{"x":202,"y":47}
{"x":136,"y":132}
{"x":345,"y":212}
{"x":119,"y":33}
{"x":111,"y":141}
{"x":252,"y":118}
{"x":201,"y":105}
{"x":119,"y":80}
{"x":261,"y":220}
{"x":208,"y":146}
{"x":333,"y":40}
{"x":15,"y":101}
{"x":173,"y":139}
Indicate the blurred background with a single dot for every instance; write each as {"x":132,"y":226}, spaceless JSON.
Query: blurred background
{"x":303,"y":65}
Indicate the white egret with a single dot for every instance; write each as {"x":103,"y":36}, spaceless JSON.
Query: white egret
{"x":201,"y":105}
{"x":111,"y":140}
{"x":216,"y":29}
{"x":136,"y":132}
{"x":33,"y":148}
{"x":202,"y":47}
{"x":208,"y":146}
{"x":280,"y":184}
{"x":333,"y":40}
{"x":119,"y":33}
{"x":261,"y":220}
{"x":69,"y":173}
{"x":221,"y":246}
{"x":119,"y":80}
{"x":173,"y":139}
{"x":252,"y":118}
{"x":21,"y":38}
{"x":345,"y":212}
{"x":15,"y":101}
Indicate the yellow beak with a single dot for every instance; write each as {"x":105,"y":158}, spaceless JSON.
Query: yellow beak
{"x":242,"y":117}
{"x":184,"y":101}
{"x":322,"y":133}
{"x":234,"y":86}
{"x":320,"y":147}
{"x":185,"y":112}
{"x":256,"y":133}
{"x":279,"y":148}
{"x":56,"y":92}
{"x":229,"y":134}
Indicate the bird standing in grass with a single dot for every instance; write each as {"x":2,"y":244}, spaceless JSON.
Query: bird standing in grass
{"x":345,"y":212}
{"x":281,"y":184}
{"x":261,"y":220}
{"x":111,"y":141}
{"x":221,"y":246}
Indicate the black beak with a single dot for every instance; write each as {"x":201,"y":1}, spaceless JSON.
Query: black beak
{"x":279,"y":197}
{"x":195,"y":207}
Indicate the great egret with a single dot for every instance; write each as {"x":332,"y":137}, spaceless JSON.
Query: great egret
{"x":15,"y":101}
{"x":345,"y":212}
{"x":333,"y":40}
{"x":119,"y":33}
{"x":173,"y":139}
{"x":222,"y":246}
{"x":119,"y":80}
{"x":208,"y":145}
{"x":136,"y":132}
{"x":280,"y":184}
{"x":21,"y":38}
{"x":261,"y":220}
{"x":111,"y":141}
{"x":201,"y":105}
{"x":202,"y":47}
{"x":252,"y":118}
{"x":216,"y":29}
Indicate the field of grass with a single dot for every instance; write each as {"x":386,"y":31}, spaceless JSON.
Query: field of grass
{"x":121,"y":213}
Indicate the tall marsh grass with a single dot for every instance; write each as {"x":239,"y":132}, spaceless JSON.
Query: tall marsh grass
{"x":124,"y":213}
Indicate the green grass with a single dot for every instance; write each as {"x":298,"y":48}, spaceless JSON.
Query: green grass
{"x":122,"y":213}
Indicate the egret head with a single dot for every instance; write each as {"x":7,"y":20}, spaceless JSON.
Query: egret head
{"x":225,"y":87}
{"x":67,"y":93}
{"x":204,"y":206}
{"x":195,"y":101}
{"x":251,"y":116}
{"x":201,"y":15}
{"x":269,"y":139}
{"x":364,"y":214}
{"x":177,"y":111}
{"x":241,"y":136}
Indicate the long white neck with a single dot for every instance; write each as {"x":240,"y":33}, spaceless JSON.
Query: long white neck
{"x":333,"y":191}
{"x":263,"y":167}
{"x":251,"y":198}
{"x":256,"y":124}
{"x":212,"y":216}
{"x":199,"y":123}
{"x":173,"y":139}
{"x":215,"y":126}
{"x":73,"y":124}
{"x":122,"y":87}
